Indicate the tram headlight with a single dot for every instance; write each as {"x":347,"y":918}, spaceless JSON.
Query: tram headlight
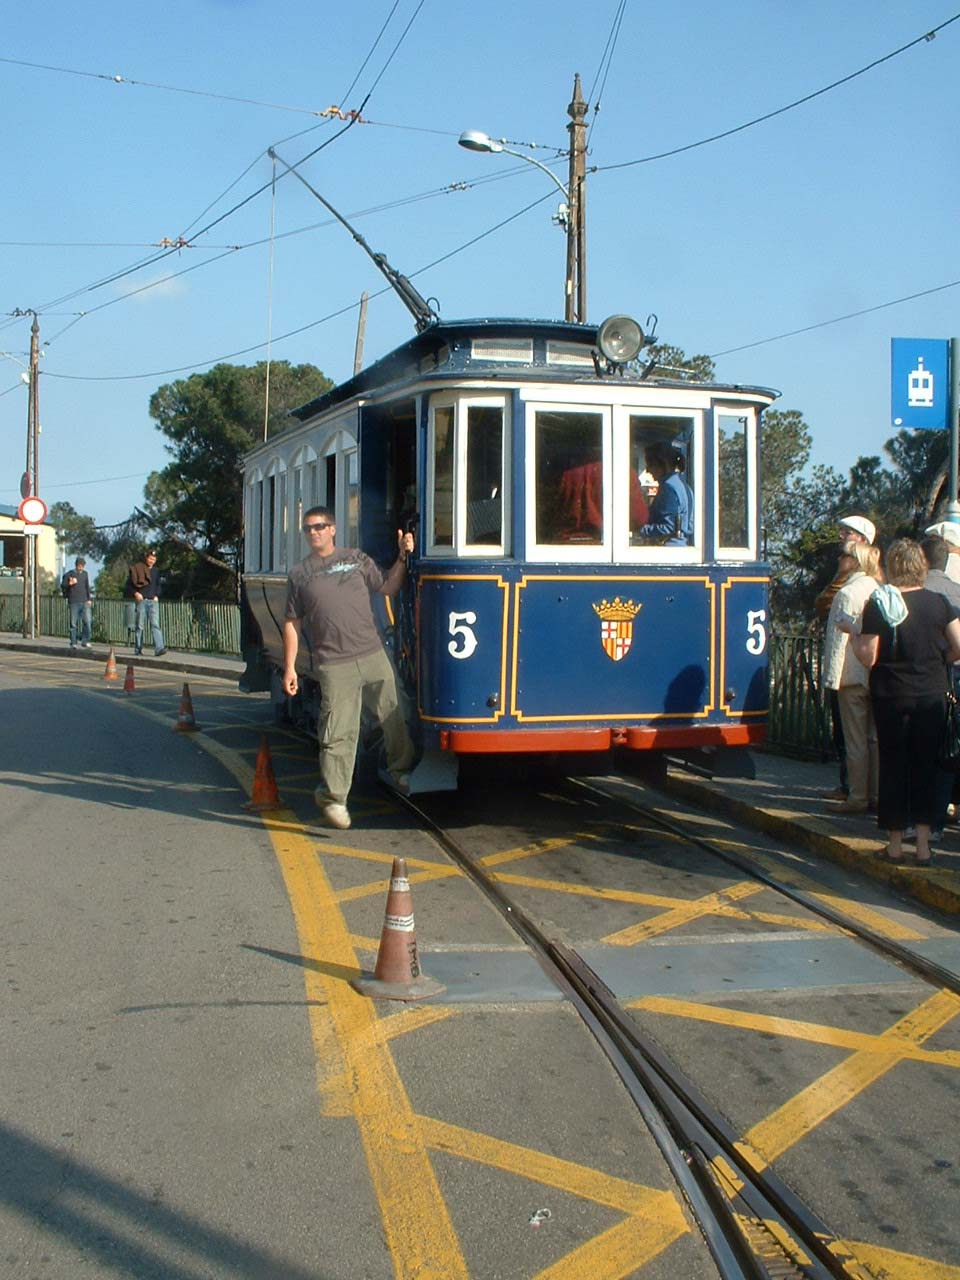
{"x":620,"y":339}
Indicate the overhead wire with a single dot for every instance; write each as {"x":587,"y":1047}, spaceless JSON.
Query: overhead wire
{"x":595,"y":95}
{"x":850,"y":315}
{"x":153,"y":259}
{"x":313,"y":324}
{"x":790,"y":106}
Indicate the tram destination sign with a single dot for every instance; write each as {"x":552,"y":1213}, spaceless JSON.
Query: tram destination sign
{"x":920,"y":382}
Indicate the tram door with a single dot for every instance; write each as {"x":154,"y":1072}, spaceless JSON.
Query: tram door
{"x":388,"y":476}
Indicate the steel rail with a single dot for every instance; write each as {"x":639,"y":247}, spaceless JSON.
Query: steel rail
{"x":694,"y":1142}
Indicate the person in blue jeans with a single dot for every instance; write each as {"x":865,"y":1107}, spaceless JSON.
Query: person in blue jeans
{"x":75,"y":585}
{"x":143,"y":587}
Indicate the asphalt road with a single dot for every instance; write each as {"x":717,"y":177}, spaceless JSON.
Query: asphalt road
{"x":159,"y":1099}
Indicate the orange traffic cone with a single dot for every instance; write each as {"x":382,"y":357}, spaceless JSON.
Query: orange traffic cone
{"x":265,"y":794}
{"x":185,"y":720}
{"x":110,"y":672}
{"x":398,"y":975}
{"x":128,"y":684}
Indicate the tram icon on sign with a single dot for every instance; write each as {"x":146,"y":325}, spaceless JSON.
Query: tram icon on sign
{"x":919,"y":382}
{"x":920,"y":387}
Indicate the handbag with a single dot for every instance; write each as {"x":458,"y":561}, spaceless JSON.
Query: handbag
{"x":950,"y":741}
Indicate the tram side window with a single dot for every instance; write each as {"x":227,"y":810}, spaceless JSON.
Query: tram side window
{"x":485,"y":475}
{"x":569,"y":461}
{"x":444,"y":462}
{"x":733,"y":454}
{"x":662,"y":500}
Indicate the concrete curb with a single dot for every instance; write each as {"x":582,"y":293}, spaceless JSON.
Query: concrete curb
{"x":934,"y":886}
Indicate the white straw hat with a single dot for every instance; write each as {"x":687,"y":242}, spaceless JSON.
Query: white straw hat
{"x":860,"y":524}
{"x":946,"y":530}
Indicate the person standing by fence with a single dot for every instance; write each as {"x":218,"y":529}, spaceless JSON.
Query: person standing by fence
{"x":845,"y":675}
{"x":853,"y":530}
{"x":908,"y":635}
{"x":75,"y":585}
{"x":143,"y":589}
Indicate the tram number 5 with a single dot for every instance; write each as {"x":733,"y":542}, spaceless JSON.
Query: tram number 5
{"x":756,"y":631}
{"x":464,"y":640}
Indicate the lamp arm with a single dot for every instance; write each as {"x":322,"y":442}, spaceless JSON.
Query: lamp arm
{"x":542,"y":167}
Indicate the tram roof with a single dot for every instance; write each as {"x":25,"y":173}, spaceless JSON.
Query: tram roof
{"x":449,"y":348}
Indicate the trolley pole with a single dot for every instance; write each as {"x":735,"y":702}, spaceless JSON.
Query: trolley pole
{"x":31,"y":601}
{"x":575,"y":307}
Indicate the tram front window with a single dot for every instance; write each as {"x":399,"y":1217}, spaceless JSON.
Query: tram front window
{"x":661,"y":497}
{"x":569,"y":461}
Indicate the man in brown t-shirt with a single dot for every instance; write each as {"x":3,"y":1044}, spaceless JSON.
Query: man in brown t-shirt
{"x":328,"y":599}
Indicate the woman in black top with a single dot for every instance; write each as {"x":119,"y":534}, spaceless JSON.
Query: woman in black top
{"x":908,"y":635}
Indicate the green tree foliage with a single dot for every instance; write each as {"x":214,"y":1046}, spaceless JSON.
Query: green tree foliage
{"x":76,"y":533}
{"x":195,"y":503}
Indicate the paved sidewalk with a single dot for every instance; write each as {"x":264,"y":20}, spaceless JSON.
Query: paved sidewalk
{"x":786,"y":799}
{"x":193,"y":664}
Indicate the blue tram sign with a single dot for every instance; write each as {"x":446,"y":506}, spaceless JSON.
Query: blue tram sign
{"x":920,"y":382}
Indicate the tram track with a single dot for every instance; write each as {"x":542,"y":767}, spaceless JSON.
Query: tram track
{"x":755,"y":1226}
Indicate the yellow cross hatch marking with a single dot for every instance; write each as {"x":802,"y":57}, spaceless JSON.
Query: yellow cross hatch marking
{"x":655,"y":1218}
{"x":768,"y":1024}
{"x":832,"y":1091}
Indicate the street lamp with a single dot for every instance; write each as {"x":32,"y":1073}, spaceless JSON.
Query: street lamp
{"x":571,"y":215}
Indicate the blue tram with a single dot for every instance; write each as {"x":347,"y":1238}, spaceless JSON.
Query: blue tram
{"x":587,"y":573}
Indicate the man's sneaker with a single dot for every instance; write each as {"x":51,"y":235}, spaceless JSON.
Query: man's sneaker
{"x":336,"y":815}
{"x":159,"y":653}
{"x":395,"y":781}
{"x":84,"y":644}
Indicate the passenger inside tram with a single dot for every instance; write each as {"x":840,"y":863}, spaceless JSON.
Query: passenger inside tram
{"x":670,"y":519}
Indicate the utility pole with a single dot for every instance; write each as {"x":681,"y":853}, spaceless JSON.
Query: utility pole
{"x":576,"y":300}
{"x":31,"y":596}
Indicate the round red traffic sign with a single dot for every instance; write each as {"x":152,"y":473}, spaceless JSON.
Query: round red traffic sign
{"x":32,"y":510}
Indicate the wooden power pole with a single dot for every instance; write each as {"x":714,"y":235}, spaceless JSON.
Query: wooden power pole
{"x":576,"y":301}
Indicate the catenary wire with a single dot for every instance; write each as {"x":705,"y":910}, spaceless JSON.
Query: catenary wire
{"x":850,"y":315}
{"x":595,"y":95}
{"x":313,"y":324}
{"x":769,"y":115}
{"x":240,"y":204}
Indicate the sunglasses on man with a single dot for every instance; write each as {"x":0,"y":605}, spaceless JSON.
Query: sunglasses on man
{"x":315,"y":528}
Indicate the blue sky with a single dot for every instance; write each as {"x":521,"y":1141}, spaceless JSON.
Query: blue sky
{"x":839,"y":205}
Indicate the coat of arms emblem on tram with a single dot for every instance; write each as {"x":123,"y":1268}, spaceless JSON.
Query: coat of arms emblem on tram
{"x":616,"y":626}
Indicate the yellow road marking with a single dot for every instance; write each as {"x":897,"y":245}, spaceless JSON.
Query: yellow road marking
{"x":865,"y":915}
{"x":533,"y":849}
{"x":792,"y":1028}
{"x":683,"y":912}
{"x":359,"y":891}
{"x":832,"y":1091}
{"x":371,"y":855}
{"x":654,"y":1219}
{"x":904,"y":1266}
{"x":587,"y":891}
{"x":416,"y":1223}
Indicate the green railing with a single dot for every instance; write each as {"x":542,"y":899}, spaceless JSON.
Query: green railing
{"x":799,"y":715}
{"x":200,"y":626}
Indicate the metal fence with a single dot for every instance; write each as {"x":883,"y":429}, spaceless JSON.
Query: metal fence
{"x":200,"y":626}
{"x":799,"y":714}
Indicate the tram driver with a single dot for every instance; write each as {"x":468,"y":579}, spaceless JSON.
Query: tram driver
{"x":670,"y":522}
